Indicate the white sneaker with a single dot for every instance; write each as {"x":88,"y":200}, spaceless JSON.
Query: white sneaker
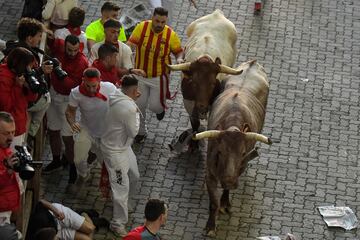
{"x":118,"y":231}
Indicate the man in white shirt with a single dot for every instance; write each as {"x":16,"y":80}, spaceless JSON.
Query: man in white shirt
{"x":122,"y":125}
{"x":76,"y":20}
{"x":112,"y":28}
{"x":92,"y":99}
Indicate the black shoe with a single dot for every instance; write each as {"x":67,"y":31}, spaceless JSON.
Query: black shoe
{"x":72,"y":174}
{"x":64,"y":161}
{"x":160,"y":116}
{"x":140,"y":138}
{"x":91,"y":158}
{"x":53,"y":166}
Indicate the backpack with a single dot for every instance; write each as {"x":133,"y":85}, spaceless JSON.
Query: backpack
{"x":33,"y":9}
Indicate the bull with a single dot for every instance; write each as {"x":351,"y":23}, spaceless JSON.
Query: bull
{"x":234,"y":124}
{"x":210,"y":50}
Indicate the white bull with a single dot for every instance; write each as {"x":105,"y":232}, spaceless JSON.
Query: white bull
{"x":210,"y":50}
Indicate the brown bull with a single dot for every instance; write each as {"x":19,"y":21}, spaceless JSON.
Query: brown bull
{"x":235,"y":123}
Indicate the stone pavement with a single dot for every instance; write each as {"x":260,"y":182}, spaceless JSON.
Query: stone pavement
{"x":311,"y":52}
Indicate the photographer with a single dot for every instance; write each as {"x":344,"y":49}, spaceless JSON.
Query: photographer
{"x":15,"y":94}
{"x":9,"y":187}
{"x":29,"y":32}
{"x":73,"y":62}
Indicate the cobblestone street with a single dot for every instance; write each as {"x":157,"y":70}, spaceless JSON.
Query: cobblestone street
{"x":311,"y":53}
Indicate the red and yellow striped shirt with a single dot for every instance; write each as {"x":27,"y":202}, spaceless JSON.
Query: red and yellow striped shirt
{"x":153,"y":49}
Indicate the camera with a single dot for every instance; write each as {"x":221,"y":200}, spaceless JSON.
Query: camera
{"x":58,"y":71}
{"x":23,"y":167}
{"x":37,"y":84}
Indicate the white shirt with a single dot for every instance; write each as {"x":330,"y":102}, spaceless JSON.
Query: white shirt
{"x":58,"y":11}
{"x":92,"y":109}
{"x":62,"y":33}
{"x":123,"y":57}
{"x":121,"y":123}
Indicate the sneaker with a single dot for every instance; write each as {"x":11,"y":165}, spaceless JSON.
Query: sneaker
{"x":64,"y":161}
{"x":118,"y":231}
{"x":91,"y":158}
{"x":160,"y":116}
{"x":52,"y":167}
{"x":140,"y":138}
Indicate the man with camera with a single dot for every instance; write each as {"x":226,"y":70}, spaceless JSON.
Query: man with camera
{"x":29,"y":32}
{"x":63,"y":79}
{"x":15,"y":89}
{"x":9,"y":187}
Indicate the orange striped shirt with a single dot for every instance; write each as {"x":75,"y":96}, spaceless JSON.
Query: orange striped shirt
{"x":153,"y":49}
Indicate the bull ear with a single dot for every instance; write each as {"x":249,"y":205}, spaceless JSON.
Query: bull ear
{"x":218,"y":60}
{"x":246,"y":128}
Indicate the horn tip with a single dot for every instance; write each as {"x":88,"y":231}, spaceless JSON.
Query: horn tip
{"x":269,"y":141}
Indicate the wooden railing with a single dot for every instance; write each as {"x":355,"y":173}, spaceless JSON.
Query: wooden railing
{"x":32,"y":187}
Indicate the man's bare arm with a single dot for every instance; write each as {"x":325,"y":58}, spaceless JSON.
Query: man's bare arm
{"x":70,"y":114}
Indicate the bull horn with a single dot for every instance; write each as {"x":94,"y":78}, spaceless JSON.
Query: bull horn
{"x":207,"y":134}
{"x":229,"y":70}
{"x":179,"y":67}
{"x":258,"y":137}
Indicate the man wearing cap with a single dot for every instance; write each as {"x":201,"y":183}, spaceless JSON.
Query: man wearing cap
{"x":154,"y":41}
{"x":123,"y":57}
{"x":92,"y":99}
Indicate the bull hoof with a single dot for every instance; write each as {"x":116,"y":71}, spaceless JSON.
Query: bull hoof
{"x":211,"y":233}
{"x":225,"y":210}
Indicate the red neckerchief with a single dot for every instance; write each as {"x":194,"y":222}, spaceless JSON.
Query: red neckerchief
{"x":84,"y":92}
{"x":74,"y":31}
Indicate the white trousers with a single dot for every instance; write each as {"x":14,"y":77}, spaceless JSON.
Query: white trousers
{"x":150,"y":98}
{"x":56,"y":119}
{"x":123,"y":176}
{"x":83,"y":143}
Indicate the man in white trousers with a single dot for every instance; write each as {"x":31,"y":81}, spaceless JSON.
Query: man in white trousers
{"x":154,"y":42}
{"x":122,"y":125}
{"x":92,"y":98}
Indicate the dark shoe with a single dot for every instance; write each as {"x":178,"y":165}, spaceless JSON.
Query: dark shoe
{"x":140,"y":138}
{"x":91,"y":158}
{"x":160,"y":116}
{"x":52,"y":167}
{"x":64,"y":161}
{"x":72,"y":174}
